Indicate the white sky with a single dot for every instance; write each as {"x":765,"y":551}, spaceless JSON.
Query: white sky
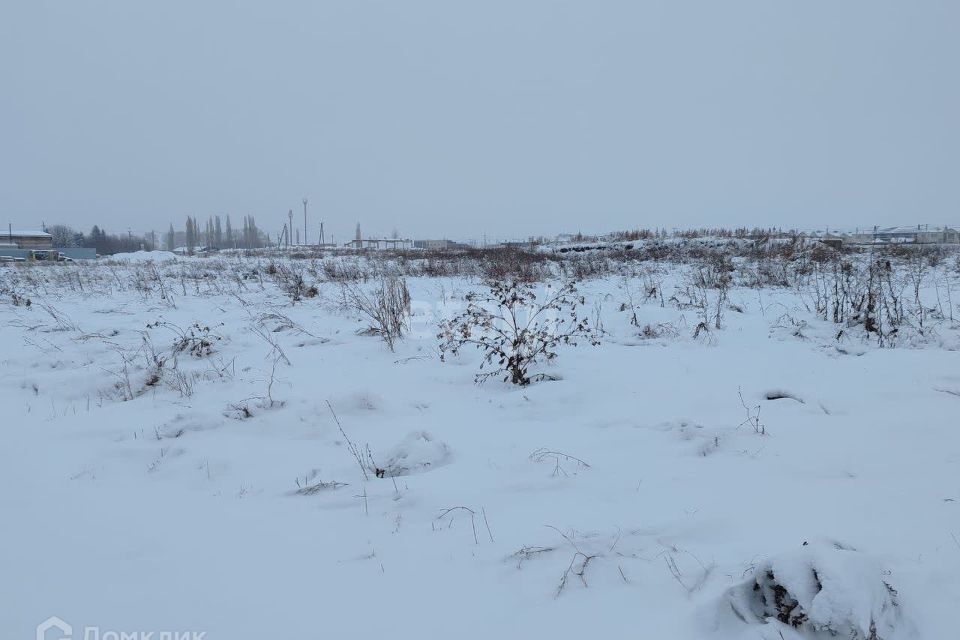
{"x":456,"y":119}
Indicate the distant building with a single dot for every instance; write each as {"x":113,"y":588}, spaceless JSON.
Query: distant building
{"x":26,"y":240}
{"x":431,"y":244}
{"x":439,"y":245}
{"x":920,"y":234}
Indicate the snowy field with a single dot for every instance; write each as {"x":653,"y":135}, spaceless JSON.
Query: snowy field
{"x":172,"y":460}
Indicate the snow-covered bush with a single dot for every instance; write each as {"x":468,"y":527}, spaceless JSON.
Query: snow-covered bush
{"x":17,"y":300}
{"x":291,"y":280}
{"x":821,"y":591}
{"x":514,"y":327}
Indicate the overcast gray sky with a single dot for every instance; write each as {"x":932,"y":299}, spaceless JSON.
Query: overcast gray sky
{"x":456,"y":119}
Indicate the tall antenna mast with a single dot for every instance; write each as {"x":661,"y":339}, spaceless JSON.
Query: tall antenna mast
{"x":305,"y":221}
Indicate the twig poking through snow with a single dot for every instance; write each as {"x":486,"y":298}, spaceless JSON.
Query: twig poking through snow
{"x":350,"y":446}
{"x":308,"y":488}
{"x":526,"y":553}
{"x":473,"y":523}
{"x":578,"y":556}
{"x":543,"y":453}
{"x":486,"y":523}
{"x":753,"y":416}
{"x":678,"y":575}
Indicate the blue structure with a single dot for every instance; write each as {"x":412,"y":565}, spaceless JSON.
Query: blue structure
{"x":52,"y":255}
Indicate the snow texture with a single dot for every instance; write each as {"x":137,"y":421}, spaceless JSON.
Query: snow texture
{"x":644,"y":492}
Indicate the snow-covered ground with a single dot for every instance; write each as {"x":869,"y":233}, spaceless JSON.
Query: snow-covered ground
{"x":634,"y":496}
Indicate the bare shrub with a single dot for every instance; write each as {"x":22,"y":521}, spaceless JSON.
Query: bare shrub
{"x":659,"y":330}
{"x":386,"y":307}
{"x":709,"y":275}
{"x":62,"y":322}
{"x":514,"y":328}
{"x":878,"y":293}
{"x":290,"y":278}
{"x":198,"y":339}
{"x":514,"y":264}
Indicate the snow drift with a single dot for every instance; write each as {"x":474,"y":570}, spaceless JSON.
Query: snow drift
{"x":821,"y":591}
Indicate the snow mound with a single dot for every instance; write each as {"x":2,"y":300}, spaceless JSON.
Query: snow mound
{"x":182,"y":424}
{"x":144,"y":256}
{"x":820,"y":591}
{"x":359,"y":402}
{"x":416,"y":453}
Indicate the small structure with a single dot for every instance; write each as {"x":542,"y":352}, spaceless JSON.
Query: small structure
{"x":832,"y":240}
{"x":829,"y":238}
{"x":15,"y":239}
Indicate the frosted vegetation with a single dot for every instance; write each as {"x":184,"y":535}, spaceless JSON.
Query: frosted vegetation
{"x":694,"y":438}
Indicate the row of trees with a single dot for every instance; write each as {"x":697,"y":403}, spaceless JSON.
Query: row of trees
{"x":216,"y":235}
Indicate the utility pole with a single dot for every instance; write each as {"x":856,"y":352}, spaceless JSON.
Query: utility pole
{"x":304,"y":221}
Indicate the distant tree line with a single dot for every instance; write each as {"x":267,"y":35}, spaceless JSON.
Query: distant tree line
{"x":104,"y":243}
{"x":213,"y":234}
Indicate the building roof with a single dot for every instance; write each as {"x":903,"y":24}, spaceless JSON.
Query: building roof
{"x":25,"y":234}
{"x":912,"y":229}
